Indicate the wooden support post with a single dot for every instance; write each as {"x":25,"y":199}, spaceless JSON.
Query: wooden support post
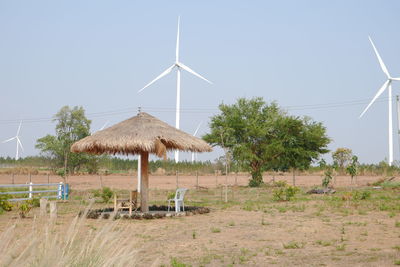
{"x":30,"y":178}
{"x":197,"y":179}
{"x":236,"y":178}
{"x":43,"y":206}
{"x":177,"y":180}
{"x":226,"y":193}
{"x":53,"y":209}
{"x":115,"y":202}
{"x":101,"y":181}
{"x":294,"y":178}
{"x":12,"y":178}
{"x":48,"y":178}
{"x":144,"y":190}
{"x":216,"y":178}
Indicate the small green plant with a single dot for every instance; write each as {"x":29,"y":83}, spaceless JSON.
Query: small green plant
{"x":341,"y":247}
{"x":397,"y":224}
{"x":327,"y":177}
{"x":280,"y":184}
{"x":170,"y":195}
{"x":361,"y":195}
{"x":106,"y":194}
{"x":5,"y":205}
{"x":176,"y":263}
{"x":293,"y":245}
{"x":215,"y":230}
{"x":194,"y":234}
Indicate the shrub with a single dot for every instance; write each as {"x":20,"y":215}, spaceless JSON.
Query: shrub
{"x":327,"y":178}
{"x":361,"y":195}
{"x":285,"y":193}
{"x":24,"y":208}
{"x":5,"y":205}
{"x":106,"y":194}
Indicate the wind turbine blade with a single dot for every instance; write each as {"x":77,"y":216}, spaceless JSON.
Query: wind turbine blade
{"x":158,"y":77}
{"x":105,"y":124}
{"x":383,"y":67}
{"x":380,"y":91}
{"x":8,"y":140}
{"x":177,"y":42}
{"x":197,"y":129}
{"x":192,"y":71}
{"x":19,"y":127}
{"x":396,"y":79}
{"x":20,"y":144}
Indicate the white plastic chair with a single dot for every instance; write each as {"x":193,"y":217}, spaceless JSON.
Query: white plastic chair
{"x":178,"y":199}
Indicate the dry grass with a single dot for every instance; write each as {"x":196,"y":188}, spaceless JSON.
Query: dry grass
{"x":46,"y":245}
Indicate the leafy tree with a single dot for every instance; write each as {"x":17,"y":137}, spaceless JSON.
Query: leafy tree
{"x":72,"y":125}
{"x":302,"y":142}
{"x":341,"y":157}
{"x":263,"y":137}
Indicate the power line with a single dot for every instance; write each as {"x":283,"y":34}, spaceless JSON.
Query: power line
{"x":193,"y":110}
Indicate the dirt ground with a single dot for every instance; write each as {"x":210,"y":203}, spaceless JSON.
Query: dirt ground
{"x":84,"y":182}
{"x":250,"y":230}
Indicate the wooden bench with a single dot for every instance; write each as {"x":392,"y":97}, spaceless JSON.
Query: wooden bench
{"x":126,"y":203}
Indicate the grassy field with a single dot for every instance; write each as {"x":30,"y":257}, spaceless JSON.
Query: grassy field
{"x":358,"y":227}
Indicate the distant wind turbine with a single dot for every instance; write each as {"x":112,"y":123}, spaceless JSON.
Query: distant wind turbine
{"x":387,"y":84}
{"x":178,"y":65}
{"x":18,"y":141}
{"x":194,"y":134}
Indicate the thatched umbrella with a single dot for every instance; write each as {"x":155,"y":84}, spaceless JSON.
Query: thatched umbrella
{"x":142,"y":134}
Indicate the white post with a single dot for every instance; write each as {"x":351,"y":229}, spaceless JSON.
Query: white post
{"x":30,"y":190}
{"x":390,"y":126}
{"x":398,"y":118}
{"x":178,"y":106}
{"x":139,"y":173}
{"x":59,"y":191}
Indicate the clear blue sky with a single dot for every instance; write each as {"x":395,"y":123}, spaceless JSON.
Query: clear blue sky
{"x":98,"y":54}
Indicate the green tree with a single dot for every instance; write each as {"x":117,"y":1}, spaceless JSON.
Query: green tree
{"x":263,"y":137}
{"x":352,"y":168}
{"x":341,"y":157}
{"x":72,"y":125}
{"x":302,"y":142}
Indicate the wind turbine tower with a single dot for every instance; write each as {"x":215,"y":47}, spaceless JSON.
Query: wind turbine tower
{"x":179,"y":66}
{"x":386,"y":85}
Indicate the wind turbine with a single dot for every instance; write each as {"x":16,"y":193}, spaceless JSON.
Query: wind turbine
{"x":194,"y":134}
{"x":179,"y":66}
{"x":19,"y":144}
{"x":387,"y":85}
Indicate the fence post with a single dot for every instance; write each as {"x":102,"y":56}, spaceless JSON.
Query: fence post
{"x":53,"y":209}
{"x":30,"y":177}
{"x":226,"y":193}
{"x":101,"y":181}
{"x":216,"y":178}
{"x":48,"y":178}
{"x":12,"y":175}
{"x":59,"y":192}
{"x":177,"y":180}
{"x":30,"y":190}
{"x":197,"y":179}
{"x":43,"y":206}
{"x":236,"y":178}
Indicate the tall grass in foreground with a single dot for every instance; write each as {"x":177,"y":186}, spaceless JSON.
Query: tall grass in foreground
{"x":45,"y":244}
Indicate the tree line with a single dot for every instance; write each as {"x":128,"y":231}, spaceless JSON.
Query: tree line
{"x":255,"y":136}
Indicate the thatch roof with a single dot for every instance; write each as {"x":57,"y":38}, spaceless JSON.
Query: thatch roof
{"x":142,"y":133}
